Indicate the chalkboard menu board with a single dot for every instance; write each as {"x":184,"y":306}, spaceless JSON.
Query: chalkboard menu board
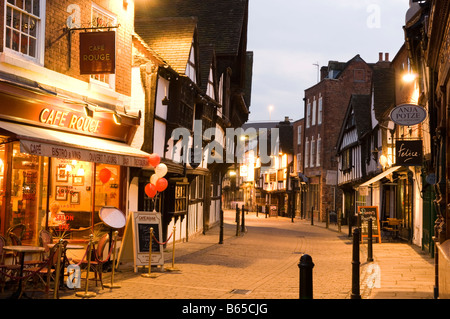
{"x":136,"y":239}
{"x":366,"y":213}
{"x":144,"y":237}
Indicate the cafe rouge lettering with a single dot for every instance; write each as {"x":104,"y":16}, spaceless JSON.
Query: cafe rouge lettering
{"x":69,"y":120}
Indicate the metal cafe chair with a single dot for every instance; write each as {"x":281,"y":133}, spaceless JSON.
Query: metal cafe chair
{"x":6,"y":270}
{"x":46,"y":272}
{"x":96,"y":259}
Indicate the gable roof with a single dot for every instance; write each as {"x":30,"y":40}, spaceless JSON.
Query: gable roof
{"x":221,"y":25}
{"x":383,"y":80}
{"x":219,"y":22}
{"x":360,"y":104}
{"x":170,"y":38}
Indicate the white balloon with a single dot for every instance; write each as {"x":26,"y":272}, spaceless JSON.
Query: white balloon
{"x":153,"y":179}
{"x":161,"y":170}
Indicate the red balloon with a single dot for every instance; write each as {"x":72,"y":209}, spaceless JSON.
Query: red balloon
{"x":161,"y":184}
{"x":154,"y":159}
{"x":104,"y":175}
{"x":150,"y":190}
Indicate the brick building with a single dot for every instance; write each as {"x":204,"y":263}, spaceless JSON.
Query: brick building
{"x":65,"y":134}
{"x":325,"y":105}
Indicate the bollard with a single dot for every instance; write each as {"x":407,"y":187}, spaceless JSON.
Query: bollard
{"x":327,"y":218}
{"x":339,"y":219}
{"x":150,"y":275}
{"x":237,"y":220}
{"x":369,"y":241}
{"x":355,"y":265}
{"x":86,"y":293}
{"x":306,"y":266}
{"x":112,"y":285}
{"x":173,"y":268}
{"x":312,"y":215}
{"x":243,"y":220}
{"x":349,"y":217}
{"x":221,"y":227}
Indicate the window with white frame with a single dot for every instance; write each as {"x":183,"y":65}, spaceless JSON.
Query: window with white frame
{"x":299,"y":135}
{"x":24,"y":28}
{"x":314,"y":112}
{"x":319,"y":150}
{"x":190,"y":67}
{"x":319,"y":115}
{"x":101,"y":18}
{"x":210,"y":88}
{"x":308,"y":114}
{"x":299,"y":162}
{"x":306,"y":152}
{"x":313,"y":152}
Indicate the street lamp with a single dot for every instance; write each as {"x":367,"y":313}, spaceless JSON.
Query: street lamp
{"x":270,"y":111}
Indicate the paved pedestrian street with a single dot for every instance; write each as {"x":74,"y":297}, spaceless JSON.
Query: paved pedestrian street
{"x":263,"y":263}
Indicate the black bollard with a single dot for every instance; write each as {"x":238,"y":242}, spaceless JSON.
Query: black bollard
{"x":312,"y":215}
{"x":369,"y":241}
{"x":237,"y":220}
{"x":355,"y":265}
{"x":221,"y":227}
{"x":306,"y":266}
{"x":243,"y":220}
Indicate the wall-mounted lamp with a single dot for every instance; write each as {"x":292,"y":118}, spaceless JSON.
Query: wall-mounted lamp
{"x":165,"y":101}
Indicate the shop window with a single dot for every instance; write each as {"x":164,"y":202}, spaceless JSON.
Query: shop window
{"x":23,"y":197}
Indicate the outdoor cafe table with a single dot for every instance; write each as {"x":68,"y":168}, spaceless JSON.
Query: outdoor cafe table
{"x":22,"y":250}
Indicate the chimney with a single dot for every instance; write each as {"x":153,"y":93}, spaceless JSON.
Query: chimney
{"x":380,"y":56}
{"x":386,"y":57}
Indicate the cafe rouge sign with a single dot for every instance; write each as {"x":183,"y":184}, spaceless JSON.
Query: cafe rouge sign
{"x":408,"y":114}
{"x":97,"y":52}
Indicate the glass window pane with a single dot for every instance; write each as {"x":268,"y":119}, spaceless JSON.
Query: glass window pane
{"x":24,"y":44}
{"x":32,"y":47}
{"x":36,"y":8}
{"x":28,"y":189}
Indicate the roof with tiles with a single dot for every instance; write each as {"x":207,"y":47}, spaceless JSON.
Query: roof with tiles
{"x":171,"y":38}
{"x":219,"y":22}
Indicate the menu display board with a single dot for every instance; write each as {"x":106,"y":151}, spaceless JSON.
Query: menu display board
{"x":137,"y":232}
{"x":366,"y":213}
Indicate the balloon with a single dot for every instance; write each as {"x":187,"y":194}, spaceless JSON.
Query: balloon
{"x":161,"y":170}
{"x":154,"y":179}
{"x":150,"y":190}
{"x":154,"y":159}
{"x":161,"y":184}
{"x":104,"y":175}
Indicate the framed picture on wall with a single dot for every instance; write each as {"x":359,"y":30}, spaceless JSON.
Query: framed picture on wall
{"x":61,"y":174}
{"x":61,"y":192}
{"x":78,"y":180}
{"x":75,"y":197}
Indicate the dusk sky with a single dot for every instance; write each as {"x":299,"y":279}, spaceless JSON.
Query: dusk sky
{"x":288,"y":37}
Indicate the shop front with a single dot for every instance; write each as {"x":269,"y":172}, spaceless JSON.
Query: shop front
{"x":61,"y":161}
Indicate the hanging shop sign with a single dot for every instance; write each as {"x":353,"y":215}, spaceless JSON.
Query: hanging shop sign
{"x":408,"y":114}
{"x":408,"y":152}
{"x":98,"y":52}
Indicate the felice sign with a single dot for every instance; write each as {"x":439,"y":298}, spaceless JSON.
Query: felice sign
{"x":98,"y":52}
